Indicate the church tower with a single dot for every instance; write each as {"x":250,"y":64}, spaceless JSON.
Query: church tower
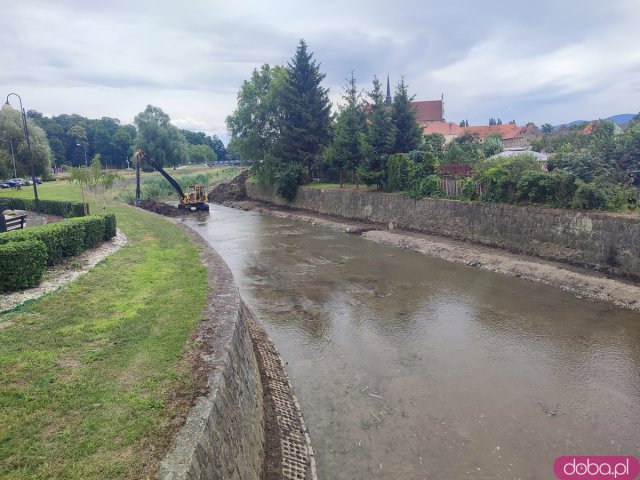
{"x":387,"y":100}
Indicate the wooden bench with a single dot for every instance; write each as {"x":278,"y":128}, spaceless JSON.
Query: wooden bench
{"x":15,"y":222}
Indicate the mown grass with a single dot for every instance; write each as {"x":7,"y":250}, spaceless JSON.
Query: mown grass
{"x":346,"y":186}
{"x":89,"y":375}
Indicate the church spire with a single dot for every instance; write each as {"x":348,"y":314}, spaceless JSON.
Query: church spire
{"x":387,"y":100}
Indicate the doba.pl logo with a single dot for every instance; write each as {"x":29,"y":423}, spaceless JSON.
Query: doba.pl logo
{"x":596,"y":468}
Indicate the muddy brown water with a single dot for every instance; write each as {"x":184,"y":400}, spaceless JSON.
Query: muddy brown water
{"x":409,"y":367}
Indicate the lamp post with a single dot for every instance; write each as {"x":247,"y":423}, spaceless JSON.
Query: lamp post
{"x":13,"y":157}
{"x":86,"y":162}
{"x":7,"y":107}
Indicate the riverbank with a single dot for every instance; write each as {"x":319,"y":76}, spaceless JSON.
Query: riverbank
{"x":582,"y":282}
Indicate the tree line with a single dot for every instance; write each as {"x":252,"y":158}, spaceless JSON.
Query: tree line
{"x":284,"y":124}
{"x":74,"y":140}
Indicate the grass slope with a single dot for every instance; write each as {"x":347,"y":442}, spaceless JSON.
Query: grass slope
{"x":93,"y":376}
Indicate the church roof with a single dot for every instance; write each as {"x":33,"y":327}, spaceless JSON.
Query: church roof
{"x":428,"y":111}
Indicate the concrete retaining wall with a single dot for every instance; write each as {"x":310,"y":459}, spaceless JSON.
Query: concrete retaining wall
{"x":223,"y":436}
{"x":601,"y":241}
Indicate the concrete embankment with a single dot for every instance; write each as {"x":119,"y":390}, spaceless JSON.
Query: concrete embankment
{"x":248,"y":425}
{"x":603,"y":242}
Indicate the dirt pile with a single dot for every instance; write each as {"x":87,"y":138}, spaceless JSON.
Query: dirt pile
{"x":157,"y":207}
{"x":230,"y":191}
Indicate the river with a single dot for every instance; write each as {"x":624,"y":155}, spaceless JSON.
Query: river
{"x":410,"y":367}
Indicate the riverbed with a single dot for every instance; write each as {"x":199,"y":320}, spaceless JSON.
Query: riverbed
{"x":411,"y":367}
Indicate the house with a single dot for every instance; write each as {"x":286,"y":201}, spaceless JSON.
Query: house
{"x":513,"y":136}
{"x":450,"y":130}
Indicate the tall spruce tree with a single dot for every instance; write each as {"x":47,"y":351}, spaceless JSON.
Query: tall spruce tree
{"x":408,"y":132}
{"x":305,"y":112}
{"x":346,"y":149}
{"x":380,"y":138}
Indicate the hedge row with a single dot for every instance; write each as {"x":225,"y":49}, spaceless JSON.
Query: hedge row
{"x":51,"y":207}
{"x":22,"y":264}
{"x":56,"y":241}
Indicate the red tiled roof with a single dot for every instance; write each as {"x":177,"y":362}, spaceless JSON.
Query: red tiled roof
{"x":483,"y":131}
{"x":443,"y":128}
{"x":428,"y":111}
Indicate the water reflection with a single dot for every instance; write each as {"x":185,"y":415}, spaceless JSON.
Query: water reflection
{"x":410,"y":367}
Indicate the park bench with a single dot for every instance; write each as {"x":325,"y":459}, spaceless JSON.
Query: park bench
{"x":14,"y":222}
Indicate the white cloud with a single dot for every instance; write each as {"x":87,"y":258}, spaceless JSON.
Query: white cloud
{"x":546,"y":61}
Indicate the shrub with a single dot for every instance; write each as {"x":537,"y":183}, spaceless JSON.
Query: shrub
{"x":94,"y":229}
{"x":287,"y":181}
{"x":51,"y":207}
{"x":61,"y":239}
{"x":22,"y":264}
{"x":109,"y":226}
{"x":589,"y":196}
{"x":398,"y":172}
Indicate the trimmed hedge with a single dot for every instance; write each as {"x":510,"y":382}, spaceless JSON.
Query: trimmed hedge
{"x":22,"y":264}
{"x":109,"y":226}
{"x":66,"y":238}
{"x":94,"y":229}
{"x":51,"y":207}
{"x":61,"y":239}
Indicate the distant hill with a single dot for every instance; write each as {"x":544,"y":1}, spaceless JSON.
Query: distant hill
{"x":620,"y":119}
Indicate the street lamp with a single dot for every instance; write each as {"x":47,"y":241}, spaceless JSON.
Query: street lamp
{"x":15,"y":175}
{"x":86,"y":162}
{"x":7,"y":108}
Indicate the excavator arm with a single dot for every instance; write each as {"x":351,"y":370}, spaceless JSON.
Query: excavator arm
{"x":140,"y":155}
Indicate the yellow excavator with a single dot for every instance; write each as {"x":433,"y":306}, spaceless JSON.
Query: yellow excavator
{"x":194,"y":199}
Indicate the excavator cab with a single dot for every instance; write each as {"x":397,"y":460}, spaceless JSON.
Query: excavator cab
{"x":194,"y":199}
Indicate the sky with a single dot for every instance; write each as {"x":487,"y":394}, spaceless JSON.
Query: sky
{"x":545,"y":61}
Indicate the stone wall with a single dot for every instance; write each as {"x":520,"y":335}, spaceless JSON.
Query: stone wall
{"x":601,"y":241}
{"x":223,"y":436}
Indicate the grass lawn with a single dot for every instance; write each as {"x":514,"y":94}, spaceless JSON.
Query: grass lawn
{"x":345,"y":186}
{"x":93,"y":376}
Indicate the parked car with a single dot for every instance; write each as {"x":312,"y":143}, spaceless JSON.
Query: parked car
{"x":19,"y":181}
{"x":38,"y":180}
{"x":4,"y":184}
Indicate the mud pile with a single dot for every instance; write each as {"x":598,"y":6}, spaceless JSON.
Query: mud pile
{"x":230,"y":191}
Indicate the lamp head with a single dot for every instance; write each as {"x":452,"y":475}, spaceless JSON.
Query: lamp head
{"x":7,"y":107}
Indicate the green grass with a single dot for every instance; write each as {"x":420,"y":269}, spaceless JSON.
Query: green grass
{"x":91,"y":374}
{"x":346,"y":186}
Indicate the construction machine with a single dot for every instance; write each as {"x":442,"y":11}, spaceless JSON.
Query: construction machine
{"x":194,"y":199}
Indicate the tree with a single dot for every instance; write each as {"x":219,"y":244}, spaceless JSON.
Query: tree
{"x":462,"y":123}
{"x":305,"y":112}
{"x":546,"y":128}
{"x":202,"y":154}
{"x":346,"y":149}
{"x":512,"y":122}
{"x":12,"y":134}
{"x":159,"y":138}
{"x":492,"y":145}
{"x":499,"y":122}
{"x":403,"y":116}
{"x":81,"y":175}
{"x":433,"y":143}
{"x":379,"y":138}
{"x":255,"y":123}
{"x":492,"y":121}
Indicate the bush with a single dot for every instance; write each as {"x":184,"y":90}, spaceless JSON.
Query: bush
{"x":22,"y":264}
{"x":426,"y":187}
{"x":287,"y":181}
{"x":110,"y":226}
{"x":61,"y":239}
{"x":94,"y":229}
{"x":589,"y":196}
{"x":51,"y":207}
{"x":398,"y":172}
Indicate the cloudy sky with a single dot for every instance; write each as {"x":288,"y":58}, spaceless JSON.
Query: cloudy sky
{"x":545,"y":61}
